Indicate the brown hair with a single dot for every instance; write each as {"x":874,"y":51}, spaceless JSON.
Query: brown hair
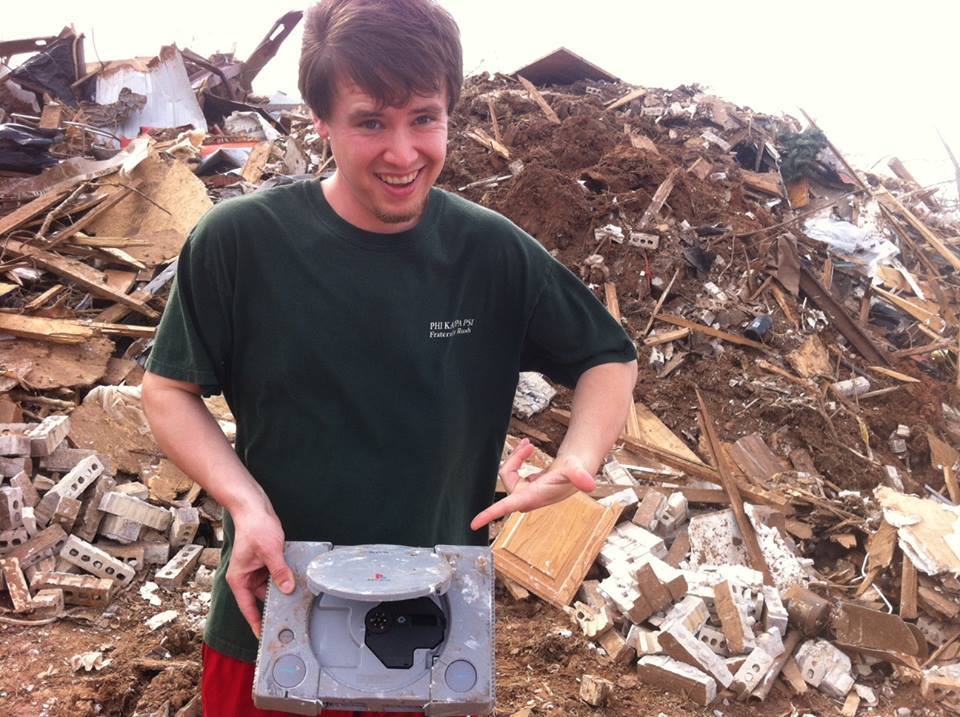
{"x":391,"y":49}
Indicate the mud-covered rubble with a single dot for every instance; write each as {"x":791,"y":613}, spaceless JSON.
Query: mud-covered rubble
{"x":813,"y":305}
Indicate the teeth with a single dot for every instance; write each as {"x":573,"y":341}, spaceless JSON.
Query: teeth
{"x":405,"y":179}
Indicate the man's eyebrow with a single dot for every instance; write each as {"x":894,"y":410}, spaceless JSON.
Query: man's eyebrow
{"x":434,"y":107}
{"x":363,"y":113}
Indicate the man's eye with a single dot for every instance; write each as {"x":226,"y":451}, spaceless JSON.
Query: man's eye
{"x":370,"y":124}
{"x":426,"y":119}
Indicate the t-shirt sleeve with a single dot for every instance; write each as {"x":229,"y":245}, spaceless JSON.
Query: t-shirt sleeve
{"x":193,"y":340}
{"x":569,"y":331}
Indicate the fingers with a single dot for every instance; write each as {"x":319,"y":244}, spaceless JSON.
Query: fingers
{"x":280,"y":572}
{"x":582,"y":479}
{"x":497,"y":510}
{"x":510,"y":470}
{"x":247,"y":602}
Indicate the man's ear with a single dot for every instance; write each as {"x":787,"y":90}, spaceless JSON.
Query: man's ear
{"x":318,"y":124}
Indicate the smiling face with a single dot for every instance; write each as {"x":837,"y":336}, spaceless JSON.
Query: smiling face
{"x":387,"y":157}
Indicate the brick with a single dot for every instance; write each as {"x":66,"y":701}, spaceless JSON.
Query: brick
{"x":625,"y":497}
{"x":668,"y":674}
{"x":735,"y":629}
{"x":627,"y":599}
{"x":641,"y":541}
{"x":691,"y":612}
{"x":649,"y":510}
{"x":941,"y":683}
{"x":770,"y":642}
{"x":184,"y":527}
{"x":80,"y":477}
{"x":95,"y":561}
{"x":134,"y":489}
{"x":653,"y":590}
{"x":774,"y":613}
{"x":616,"y":647}
{"x":48,"y":434}
{"x":45,"y":543}
{"x":27,"y":491}
{"x":752,"y":672}
{"x":681,"y":644}
{"x":85,"y":590}
{"x":123,"y":530}
{"x":714,"y":639}
{"x":159,"y":553}
{"x":134,"y":509}
{"x":644,"y":641}
{"x":43,"y":483}
{"x":9,"y":539}
{"x":591,"y":622}
{"x":595,"y":691}
{"x":176,"y":571}
{"x":11,"y":508}
{"x":673,"y":579}
{"x":614,"y":472}
{"x":16,"y":584}
{"x":12,"y":440}
{"x":131,"y":554}
{"x":9,"y":467}
{"x":66,"y":512}
{"x":64,"y":460}
{"x":679,"y":549}
{"x":46,"y":565}
{"x":47,"y":602}
{"x":29,"y":521}
{"x":90,"y":514}
{"x":675,"y":512}
{"x":851,"y":705}
{"x":211,"y":558}
{"x":203,"y":578}
{"x":822,"y":666}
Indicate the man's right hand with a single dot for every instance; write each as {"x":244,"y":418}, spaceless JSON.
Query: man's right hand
{"x":257,"y":557}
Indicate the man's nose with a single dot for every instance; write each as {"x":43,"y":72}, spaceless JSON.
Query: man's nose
{"x":400,"y":151}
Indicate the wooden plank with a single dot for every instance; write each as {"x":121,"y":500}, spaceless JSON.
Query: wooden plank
{"x":925,"y":349}
{"x":517,"y":425}
{"x":659,"y":198}
{"x":56,"y":331}
{"x":538,"y":98}
{"x":710,"y":331}
{"x":666,"y":337}
{"x":894,"y":374}
{"x":492,"y":108}
{"x":102,"y":208}
{"x":922,"y":229}
{"x":256,"y":161}
{"x":481,"y":137}
{"x":660,"y":302}
{"x":28,"y":211}
{"x":756,"y":459}
{"x":655,"y":432}
{"x":765,"y":182}
{"x":613,"y":306}
{"x":755,"y":555}
{"x":76,"y":271}
{"x":908,"y":590}
{"x":925,"y":312}
{"x":627,"y":98}
{"x":549,"y":551}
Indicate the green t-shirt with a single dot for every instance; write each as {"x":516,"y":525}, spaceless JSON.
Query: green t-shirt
{"x":371,"y":375}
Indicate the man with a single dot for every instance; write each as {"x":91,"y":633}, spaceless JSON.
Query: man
{"x":367,"y":332}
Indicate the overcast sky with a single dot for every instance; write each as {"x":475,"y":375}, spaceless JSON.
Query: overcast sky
{"x":880,"y":78}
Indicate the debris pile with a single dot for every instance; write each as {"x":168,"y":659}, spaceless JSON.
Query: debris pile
{"x":796,"y":524}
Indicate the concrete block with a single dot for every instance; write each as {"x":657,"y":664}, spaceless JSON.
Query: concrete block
{"x":16,"y":584}
{"x":681,"y":644}
{"x":27,"y":491}
{"x":941,"y":683}
{"x":95,"y":561}
{"x":90,"y":514}
{"x":47,"y":542}
{"x":817,"y":658}
{"x":668,"y":674}
{"x":134,"y":509}
{"x":752,"y":672}
{"x":66,"y":512}
{"x":11,"y":508}
{"x":85,"y":590}
{"x":134,"y":489}
{"x":9,"y":539}
{"x":46,"y":436}
{"x":774,"y":613}
{"x":178,"y":569}
{"x":626,"y":599}
{"x":123,"y":530}
{"x":735,"y":628}
{"x":64,"y":459}
{"x":770,"y":642}
{"x":595,"y":691}
{"x":641,"y":541}
{"x":184,"y":527}
{"x":591,"y":622}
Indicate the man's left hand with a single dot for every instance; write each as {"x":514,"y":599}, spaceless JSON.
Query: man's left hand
{"x":565,"y":476}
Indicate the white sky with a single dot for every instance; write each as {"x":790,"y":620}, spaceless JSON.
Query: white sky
{"x":879,"y":77}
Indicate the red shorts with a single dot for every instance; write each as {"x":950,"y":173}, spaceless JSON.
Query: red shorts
{"x":227,"y":691}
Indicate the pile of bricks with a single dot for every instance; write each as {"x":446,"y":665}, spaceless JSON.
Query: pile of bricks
{"x":717,"y":630}
{"x":73,"y":535}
